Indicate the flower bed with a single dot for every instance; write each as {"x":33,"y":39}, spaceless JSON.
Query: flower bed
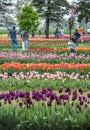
{"x":49,"y":88}
{"x":38,"y":108}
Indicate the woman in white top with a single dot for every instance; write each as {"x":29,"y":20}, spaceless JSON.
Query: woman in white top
{"x":62,"y":33}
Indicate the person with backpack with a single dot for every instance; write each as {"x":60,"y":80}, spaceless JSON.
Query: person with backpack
{"x":24,"y":36}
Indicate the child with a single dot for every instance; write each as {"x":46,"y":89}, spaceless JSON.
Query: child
{"x":71,"y":45}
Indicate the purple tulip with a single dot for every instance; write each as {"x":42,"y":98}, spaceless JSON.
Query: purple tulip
{"x":9,"y":101}
{"x":80,"y":90}
{"x":72,"y":104}
{"x":65,"y":96}
{"x":81,"y":103}
{"x":79,"y":108}
{"x":67,"y":90}
{"x":49,"y":103}
{"x":48,"y":94}
{"x":20,"y":104}
{"x":44,"y":90}
{"x":74,"y":92}
{"x":12,"y":93}
{"x":74,"y":97}
{"x":60,"y":90}
{"x":26,"y":94}
{"x":21,"y":94}
{"x":88,"y":95}
{"x":84,"y":99}
{"x":16,"y":96}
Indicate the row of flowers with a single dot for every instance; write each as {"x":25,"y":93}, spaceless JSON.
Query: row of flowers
{"x":48,"y":97}
{"x":41,"y":55}
{"x":59,"y":49}
{"x":44,"y":66}
{"x":34,"y":74}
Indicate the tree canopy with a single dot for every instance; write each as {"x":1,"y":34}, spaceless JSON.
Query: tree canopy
{"x":84,"y":10}
{"x":51,"y":10}
{"x":5,"y":13}
{"x":28,"y":19}
{"x":19,"y":5}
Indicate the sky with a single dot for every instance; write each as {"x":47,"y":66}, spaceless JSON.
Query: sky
{"x":71,"y":0}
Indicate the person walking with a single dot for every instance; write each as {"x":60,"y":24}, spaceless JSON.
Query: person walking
{"x":14,"y":40}
{"x":24,"y":36}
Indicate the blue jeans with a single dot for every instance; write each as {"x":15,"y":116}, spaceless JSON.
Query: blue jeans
{"x":14,"y":44}
{"x":24,"y":45}
{"x":72,"y":50}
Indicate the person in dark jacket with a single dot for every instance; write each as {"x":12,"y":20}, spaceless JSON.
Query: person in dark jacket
{"x":76,"y":36}
{"x":57,"y":33}
{"x":14,"y":40}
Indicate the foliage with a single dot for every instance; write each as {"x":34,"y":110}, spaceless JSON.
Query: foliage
{"x":51,"y":10}
{"x":43,"y":111}
{"x":71,"y":24}
{"x":19,"y":5}
{"x":28,"y":19}
{"x":7,"y":121}
{"x":22,"y":83}
{"x":72,"y":12}
{"x":84,"y":10}
{"x":5,"y":11}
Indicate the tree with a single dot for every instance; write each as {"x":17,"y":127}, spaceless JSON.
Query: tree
{"x":5,"y":11}
{"x":71,"y":24}
{"x":19,"y":5}
{"x":84,"y":10}
{"x":51,"y":10}
{"x":4,"y":4}
{"x":28,"y":19}
{"x":72,"y":12}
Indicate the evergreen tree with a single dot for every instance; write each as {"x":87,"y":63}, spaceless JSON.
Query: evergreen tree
{"x":5,"y":11}
{"x":84,"y":10}
{"x":4,"y":4}
{"x":51,"y":11}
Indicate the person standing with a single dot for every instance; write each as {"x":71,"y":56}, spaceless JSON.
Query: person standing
{"x":33,"y":34}
{"x":71,"y":45}
{"x":79,"y":30}
{"x":76,"y":36}
{"x":8,"y":31}
{"x":24,"y":35}
{"x":14,"y":40}
{"x":62,"y":33}
{"x":57,"y":33}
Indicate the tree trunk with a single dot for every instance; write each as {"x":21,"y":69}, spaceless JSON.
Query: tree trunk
{"x":70,"y":32}
{"x":47,"y":27}
{"x":47,"y":19}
